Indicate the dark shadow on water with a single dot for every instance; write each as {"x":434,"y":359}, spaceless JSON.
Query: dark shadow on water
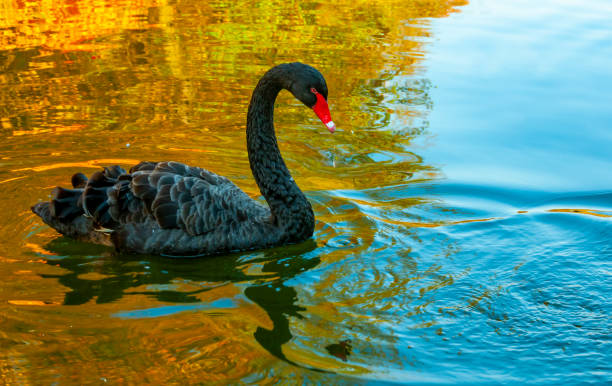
{"x":278,"y":300}
{"x":120,"y":273}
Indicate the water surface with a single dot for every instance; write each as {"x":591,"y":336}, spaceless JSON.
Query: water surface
{"x":464,"y":206}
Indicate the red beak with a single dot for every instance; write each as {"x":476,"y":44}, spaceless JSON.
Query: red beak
{"x":322,"y":110}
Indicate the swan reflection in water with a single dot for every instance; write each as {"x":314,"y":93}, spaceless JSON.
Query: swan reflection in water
{"x":117,"y":277}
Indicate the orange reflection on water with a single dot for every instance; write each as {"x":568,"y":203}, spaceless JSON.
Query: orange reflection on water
{"x":31,"y":303}
{"x":83,"y":78}
{"x":60,"y":129}
{"x":96,"y":163}
{"x":69,"y":25}
{"x":38,"y":249}
{"x":589,"y":212}
{"x":417,"y":224}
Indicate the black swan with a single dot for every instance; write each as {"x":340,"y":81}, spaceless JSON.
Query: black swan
{"x":172,"y":209}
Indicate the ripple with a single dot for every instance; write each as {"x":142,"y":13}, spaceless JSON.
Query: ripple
{"x":453,"y":241}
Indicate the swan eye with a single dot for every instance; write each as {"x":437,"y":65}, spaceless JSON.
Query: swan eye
{"x":313,"y":90}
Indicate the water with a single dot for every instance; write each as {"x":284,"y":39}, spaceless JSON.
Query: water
{"x":463,"y":206}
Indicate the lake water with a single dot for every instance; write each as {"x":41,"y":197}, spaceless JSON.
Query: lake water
{"x":464,"y":206}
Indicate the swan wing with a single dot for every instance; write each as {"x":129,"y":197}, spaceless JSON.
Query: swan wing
{"x":175,"y":195}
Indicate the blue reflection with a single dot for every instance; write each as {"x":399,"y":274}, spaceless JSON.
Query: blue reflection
{"x":522,"y":94}
{"x":157,"y":312}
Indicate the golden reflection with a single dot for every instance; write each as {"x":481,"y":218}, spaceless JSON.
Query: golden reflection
{"x":37,"y":130}
{"x":96,"y":163}
{"x":38,"y":249}
{"x":69,"y":25}
{"x":81,"y":79}
{"x":589,"y":212}
{"x":31,"y":303}
{"x":418,"y":224}
{"x":122,"y":67}
{"x":11,"y":179}
{"x":476,"y":299}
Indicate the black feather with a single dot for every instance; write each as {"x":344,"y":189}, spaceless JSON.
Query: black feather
{"x":64,"y":203}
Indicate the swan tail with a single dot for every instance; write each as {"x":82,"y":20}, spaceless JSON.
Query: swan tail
{"x":65,"y":214}
{"x":80,"y":228}
{"x":65,"y":225}
{"x":94,"y":207}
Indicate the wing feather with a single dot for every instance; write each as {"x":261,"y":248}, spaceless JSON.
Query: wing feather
{"x":175,"y":195}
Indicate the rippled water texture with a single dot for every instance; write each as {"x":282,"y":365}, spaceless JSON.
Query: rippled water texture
{"x":464,"y":206}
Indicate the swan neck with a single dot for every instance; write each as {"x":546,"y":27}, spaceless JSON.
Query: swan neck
{"x":289,"y":207}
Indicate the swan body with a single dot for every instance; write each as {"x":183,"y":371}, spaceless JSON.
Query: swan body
{"x":173,"y":209}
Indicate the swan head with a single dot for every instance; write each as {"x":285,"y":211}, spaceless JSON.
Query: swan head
{"x":308,"y":85}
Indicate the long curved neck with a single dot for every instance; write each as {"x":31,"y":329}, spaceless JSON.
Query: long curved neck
{"x":290,"y":209}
